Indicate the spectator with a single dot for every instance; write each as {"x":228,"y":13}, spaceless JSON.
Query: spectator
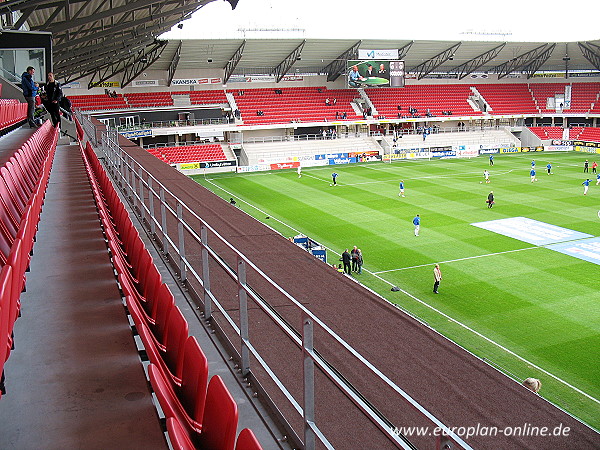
{"x":53,"y":99}
{"x":437,"y":277}
{"x":30,"y":90}
{"x":346,"y":261}
{"x":327,"y":102}
{"x":354,"y":255}
{"x":359,"y":261}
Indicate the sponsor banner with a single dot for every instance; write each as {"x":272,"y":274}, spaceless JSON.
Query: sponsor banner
{"x":331,"y":156}
{"x":586,"y":144}
{"x":341,"y":161}
{"x":285,"y":165}
{"x":72,"y":84}
{"x":584,"y":74}
{"x":487,"y":151}
{"x":442,"y":75}
{"x":579,"y":148}
{"x":479,"y":75}
{"x":213,"y":164}
{"x":443,"y":154}
{"x":140,"y":83}
{"x":378,"y":54}
{"x":549,"y":75}
{"x":189,"y":166}
{"x":254,"y":168}
{"x":470,"y":153}
{"x":363,"y":154}
{"x":560,"y":142}
{"x":588,"y":249}
{"x":510,"y":150}
{"x":196,"y":81}
{"x":319,"y":253}
{"x":558,"y":148}
{"x":531,"y":231}
{"x":136,"y":133}
{"x":107,"y":84}
{"x":293,"y":78}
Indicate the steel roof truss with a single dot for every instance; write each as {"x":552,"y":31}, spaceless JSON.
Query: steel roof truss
{"x":174,"y":63}
{"x":233,"y":62}
{"x":431,"y":64}
{"x":591,"y":52}
{"x":284,"y":66}
{"x":338,"y":66}
{"x":473,"y":64}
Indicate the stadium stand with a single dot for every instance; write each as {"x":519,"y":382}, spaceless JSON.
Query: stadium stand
{"x":433,"y":98}
{"x":148,"y":99}
{"x":306,"y":104}
{"x":514,"y":98}
{"x":98,"y":102}
{"x":189,"y":153}
{"x":12,"y":112}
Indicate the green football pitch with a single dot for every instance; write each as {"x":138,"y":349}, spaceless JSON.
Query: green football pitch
{"x":527,"y":310}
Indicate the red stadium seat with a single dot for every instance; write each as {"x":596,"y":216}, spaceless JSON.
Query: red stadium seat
{"x":247,"y":441}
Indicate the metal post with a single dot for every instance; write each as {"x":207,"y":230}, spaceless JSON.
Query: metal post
{"x":205,"y":272}
{"x":243,"y":295}
{"x":181,"y":242}
{"x":151,"y":207}
{"x":163,"y":222}
{"x":309,"y":383}
{"x":142,"y":204}
{"x":132,"y":182}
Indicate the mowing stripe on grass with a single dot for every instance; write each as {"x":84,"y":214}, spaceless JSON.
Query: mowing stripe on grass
{"x":455,"y":260}
{"x":466,"y":327}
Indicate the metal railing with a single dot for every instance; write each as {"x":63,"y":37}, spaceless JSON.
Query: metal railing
{"x":158,"y":207}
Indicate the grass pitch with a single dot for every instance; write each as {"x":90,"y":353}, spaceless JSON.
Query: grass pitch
{"x":528,"y":310}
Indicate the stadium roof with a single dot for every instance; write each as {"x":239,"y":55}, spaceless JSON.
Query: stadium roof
{"x":100,"y":39}
{"x":271,"y":56}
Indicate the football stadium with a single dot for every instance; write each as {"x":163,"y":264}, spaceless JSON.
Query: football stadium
{"x":277,"y":241}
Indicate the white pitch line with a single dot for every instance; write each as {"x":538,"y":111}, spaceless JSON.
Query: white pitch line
{"x":456,"y":260}
{"x":510,"y":352}
{"x":466,"y":327}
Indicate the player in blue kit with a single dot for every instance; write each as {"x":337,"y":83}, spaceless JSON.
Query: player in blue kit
{"x":532,"y":174}
{"x":549,"y":169}
{"x":417,"y":224}
{"x":586,"y":186}
{"x":401,"y":194}
{"x":334,"y":176}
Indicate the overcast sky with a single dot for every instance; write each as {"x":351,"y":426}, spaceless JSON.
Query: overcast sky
{"x":513,"y":20}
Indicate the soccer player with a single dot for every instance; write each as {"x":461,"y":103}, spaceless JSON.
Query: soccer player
{"x":334,"y":176}
{"x":549,"y":168}
{"x":299,"y":171}
{"x":532,"y":174}
{"x":533,"y":163}
{"x":586,"y":186}
{"x":437,"y":277}
{"x":417,"y":224}
{"x":401,"y":194}
{"x":586,"y":166}
{"x":491,"y":159}
{"x":486,"y":175}
{"x":594,"y":166}
{"x":490,"y":199}
{"x":597,"y":179}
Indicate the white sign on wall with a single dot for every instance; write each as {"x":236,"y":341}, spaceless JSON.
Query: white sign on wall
{"x":391,"y":53}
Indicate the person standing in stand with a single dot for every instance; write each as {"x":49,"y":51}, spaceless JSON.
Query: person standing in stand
{"x":30,"y":89}
{"x":437,"y":277}
{"x":53,"y":98}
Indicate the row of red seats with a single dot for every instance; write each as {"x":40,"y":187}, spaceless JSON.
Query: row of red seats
{"x":23,"y":182}
{"x":11,"y":112}
{"x":197,"y":417}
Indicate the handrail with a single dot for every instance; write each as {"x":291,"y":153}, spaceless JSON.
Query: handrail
{"x":130,"y":176}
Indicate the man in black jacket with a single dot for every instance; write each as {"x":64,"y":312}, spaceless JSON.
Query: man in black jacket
{"x":346,"y":258}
